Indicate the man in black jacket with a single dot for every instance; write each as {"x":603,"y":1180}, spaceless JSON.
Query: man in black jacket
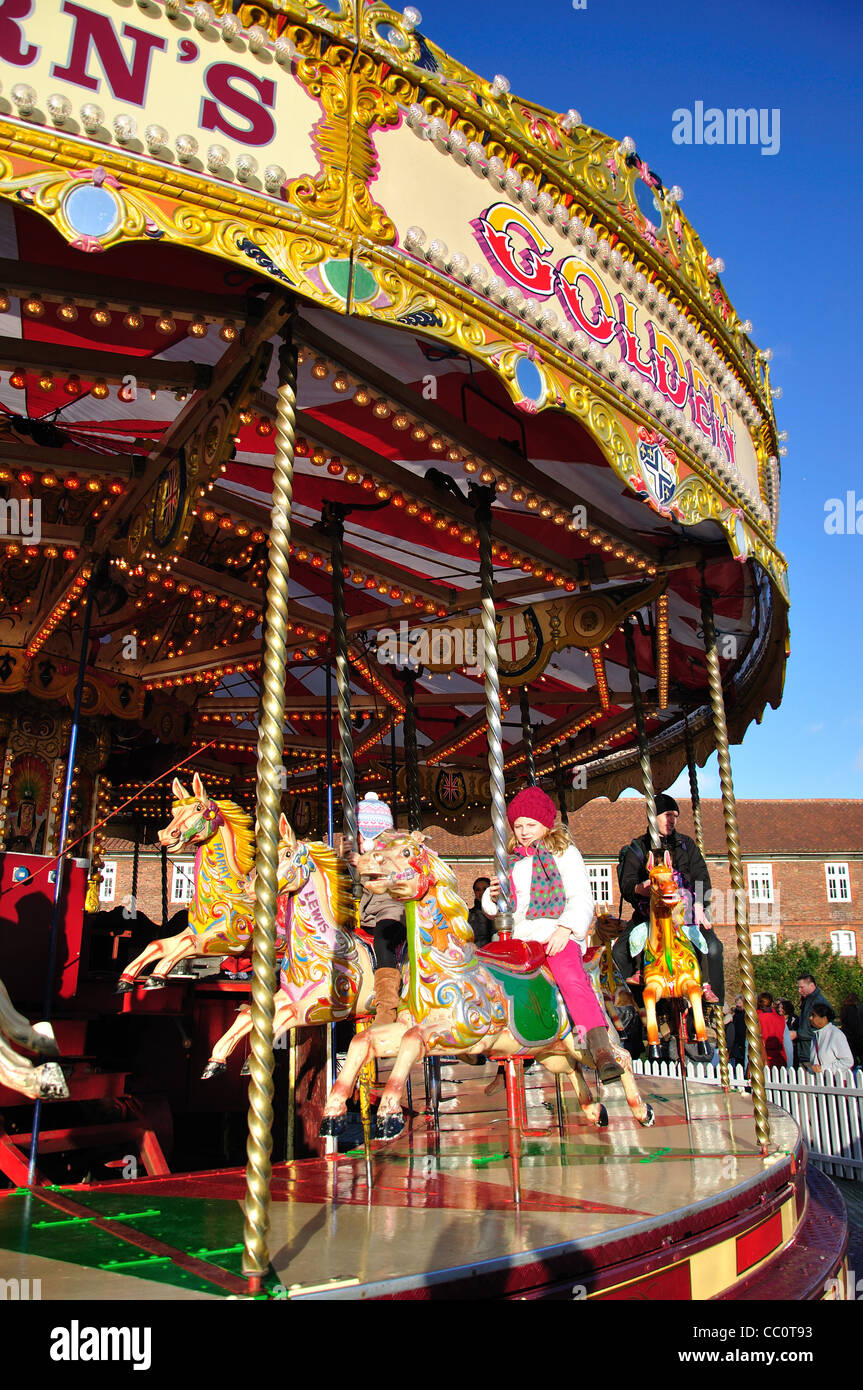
{"x":810,"y":995}
{"x":687,"y":860}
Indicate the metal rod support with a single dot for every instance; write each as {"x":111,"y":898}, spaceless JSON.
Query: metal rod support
{"x":527,"y":734}
{"x":641,"y":735}
{"x":343,"y":682}
{"x":269,"y":781}
{"x":741,"y":911}
{"x":59,"y":872}
{"x":504,"y":919}
{"x":693,"y":785}
{"x":412,"y":772}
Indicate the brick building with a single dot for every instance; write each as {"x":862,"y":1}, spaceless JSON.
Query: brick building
{"x":803,"y":867}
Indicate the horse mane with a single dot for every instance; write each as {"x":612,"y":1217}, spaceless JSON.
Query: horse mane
{"x":335,"y":871}
{"x":241,"y":826}
{"x":449,"y":900}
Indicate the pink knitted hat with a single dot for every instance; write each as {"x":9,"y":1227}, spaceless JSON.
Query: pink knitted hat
{"x":373,"y":816}
{"x":534,"y":803}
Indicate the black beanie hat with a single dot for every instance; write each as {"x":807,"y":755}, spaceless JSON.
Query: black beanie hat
{"x":666,"y":803}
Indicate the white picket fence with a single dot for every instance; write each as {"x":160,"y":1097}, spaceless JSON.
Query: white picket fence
{"x":828,"y":1107}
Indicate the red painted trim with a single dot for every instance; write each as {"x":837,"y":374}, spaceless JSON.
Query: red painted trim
{"x":675,"y":1282}
{"x":757,"y":1244}
{"x":799,"y":1271}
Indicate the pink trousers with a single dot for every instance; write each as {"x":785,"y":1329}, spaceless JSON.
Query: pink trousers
{"x":581,"y":1004}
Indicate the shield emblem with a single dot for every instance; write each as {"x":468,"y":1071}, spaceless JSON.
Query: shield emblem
{"x":658,"y":472}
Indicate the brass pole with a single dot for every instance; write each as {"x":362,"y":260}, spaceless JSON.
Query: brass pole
{"x":269,"y":779}
{"x":641,"y":735}
{"x":741,"y":911}
{"x":482,"y":498}
{"x":693,"y":785}
{"x":695,"y":800}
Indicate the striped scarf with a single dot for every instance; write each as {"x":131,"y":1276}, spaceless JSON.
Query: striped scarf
{"x":547,"y":893}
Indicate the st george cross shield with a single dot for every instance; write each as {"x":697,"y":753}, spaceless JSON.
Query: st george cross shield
{"x":519,"y":639}
{"x":658,"y":472}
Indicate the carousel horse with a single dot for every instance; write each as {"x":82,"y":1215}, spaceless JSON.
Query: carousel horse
{"x":220,"y":913}
{"x":615,"y":998}
{"x":45,"y":1079}
{"x":671,"y":968}
{"x":459,"y":1001}
{"x":327,"y":972}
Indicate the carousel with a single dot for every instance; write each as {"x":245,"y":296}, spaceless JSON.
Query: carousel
{"x":365,"y":429}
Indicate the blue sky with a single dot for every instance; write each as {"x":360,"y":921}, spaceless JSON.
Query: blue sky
{"x":787,"y":226}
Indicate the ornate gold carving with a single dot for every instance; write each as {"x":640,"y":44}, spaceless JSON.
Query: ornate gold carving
{"x":353,"y":102}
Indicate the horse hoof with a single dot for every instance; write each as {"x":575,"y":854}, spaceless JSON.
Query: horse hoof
{"x":602,"y":1118}
{"x":53,"y":1083}
{"x":649,"y":1119}
{"x":246,"y":1068}
{"x":124,"y":986}
{"x":45,"y":1043}
{"x":155,"y":982}
{"x":213,"y":1069}
{"x":654,"y":1052}
{"x":332,"y":1126}
{"x":389,"y":1126}
{"x":705,"y":1052}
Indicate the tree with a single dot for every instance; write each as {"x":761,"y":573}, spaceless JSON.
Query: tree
{"x":778,"y":970}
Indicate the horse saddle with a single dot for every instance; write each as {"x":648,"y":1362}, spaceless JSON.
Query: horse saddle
{"x":523,"y":957}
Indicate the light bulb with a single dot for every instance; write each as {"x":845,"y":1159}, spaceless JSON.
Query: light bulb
{"x":59,"y":108}
{"x":92,"y":117}
{"x":187,"y":148}
{"x":125,"y":128}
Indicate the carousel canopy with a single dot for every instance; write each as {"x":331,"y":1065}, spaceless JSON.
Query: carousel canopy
{"x":486,"y":295}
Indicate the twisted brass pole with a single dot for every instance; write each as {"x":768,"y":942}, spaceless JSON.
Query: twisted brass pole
{"x":695,"y":799}
{"x":527,"y":733}
{"x":693,"y":785}
{"x":741,"y":911}
{"x":269,"y":780}
{"x":504,"y":919}
{"x":641,"y":735}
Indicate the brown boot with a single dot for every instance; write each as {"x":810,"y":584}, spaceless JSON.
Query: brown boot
{"x":387,"y":986}
{"x":598,"y":1046}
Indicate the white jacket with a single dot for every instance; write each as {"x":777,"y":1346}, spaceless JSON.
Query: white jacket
{"x":577,"y":915}
{"x":830,"y":1050}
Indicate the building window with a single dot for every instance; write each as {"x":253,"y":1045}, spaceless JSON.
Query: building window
{"x":760,"y":883}
{"x":762,"y":941}
{"x":838,"y":885}
{"x":109,"y":883}
{"x":600,"y":884}
{"x":183,"y":882}
{"x":843,"y":943}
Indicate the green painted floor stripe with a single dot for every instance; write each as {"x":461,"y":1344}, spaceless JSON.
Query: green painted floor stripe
{"x":83,"y":1220}
{"x":191,"y":1225}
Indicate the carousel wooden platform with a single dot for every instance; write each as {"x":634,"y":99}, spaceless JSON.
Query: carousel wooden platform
{"x":673,"y":1212}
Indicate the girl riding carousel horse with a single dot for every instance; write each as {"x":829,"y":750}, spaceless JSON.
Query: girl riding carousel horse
{"x":553,"y":905}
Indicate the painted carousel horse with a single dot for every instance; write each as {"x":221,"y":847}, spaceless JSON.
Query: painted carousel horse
{"x":327,"y":972}
{"x":456,"y":1000}
{"x":45,"y":1079}
{"x":669,"y":942}
{"x":221,"y":910}
{"x":615,"y":997}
